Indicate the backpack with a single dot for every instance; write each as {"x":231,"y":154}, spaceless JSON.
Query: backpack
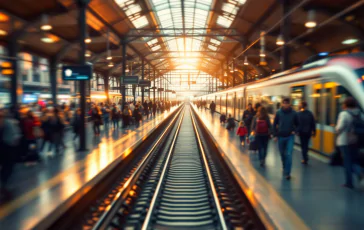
{"x":358,"y":126}
{"x":261,"y":126}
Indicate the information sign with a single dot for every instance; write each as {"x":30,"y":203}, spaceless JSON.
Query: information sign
{"x":76,"y":73}
{"x":145,"y":83}
{"x":130,"y":80}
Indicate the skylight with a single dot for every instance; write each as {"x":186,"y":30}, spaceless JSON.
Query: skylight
{"x":133,"y":11}
{"x":211,"y":47}
{"x":230,"y":9}
{"x":214,"y":41}
{"x":140,"y":22}
{"x":152,"y":42}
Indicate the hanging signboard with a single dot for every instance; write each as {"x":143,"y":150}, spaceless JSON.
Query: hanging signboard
{"x":145,"y":83}
{"x":76,"y":73}
{"x":153,"y":87}
{"x":168,"y":91}
{"x":130,"y":80}
{"x":160,"y":89}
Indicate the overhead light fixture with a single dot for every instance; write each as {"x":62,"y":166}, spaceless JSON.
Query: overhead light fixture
{"x":311,"y":19}
{"x":45,"y":24}
{"x":3,"y":32}
{"x":47,"y":40}
{"x":246,"y":61}
{"x":349,"y":41}
{"x":127,"y":71}
{"x":225,"y":74}
{"x":280,"y":40}
{"x":88,"y":40}
{"x":231,"y":70}
{"x":109,"y":58}
{"x":262,"y":54}
{"x":111,"y":64}
{"x":236,"y":70}
{"x":88,"y":53}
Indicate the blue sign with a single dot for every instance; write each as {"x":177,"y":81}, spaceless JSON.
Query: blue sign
{"x":76,"y":72}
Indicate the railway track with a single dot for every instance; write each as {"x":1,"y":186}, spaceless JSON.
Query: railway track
{"x":180,"y":183}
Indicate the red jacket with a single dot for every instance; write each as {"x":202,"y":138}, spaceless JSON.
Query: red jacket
{"x":242,"y":131}
{"x":28,"y":127}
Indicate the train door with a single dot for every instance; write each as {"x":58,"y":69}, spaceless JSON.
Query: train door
{"x":324,"y":112}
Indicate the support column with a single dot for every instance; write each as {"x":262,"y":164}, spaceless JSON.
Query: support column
{"x":122,"y":86}
{"x":53,"y":79}
{"x":82,"y":4}
{"x":154,"y":86}
{"x":13,"y":48}
{"x":142,"y":88}
{"x":285,"y":30}
{"x":216,"y":82}
{"x":106,"y":86}
{"x":234,"y":74}
{"x":227,"y":72}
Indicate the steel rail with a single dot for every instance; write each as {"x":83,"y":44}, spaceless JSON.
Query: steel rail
{"x":158,"y":188}
{"x":214,"y":193}
{"x":110,"y":211}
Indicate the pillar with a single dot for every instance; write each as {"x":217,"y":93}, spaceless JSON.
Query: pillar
{"x":12,"y":53}
{"x":142,"y":88}
{"x":122,"y":86}
{"x":53,"y":79}
{"x":106,"y":86}
{"x":154,"y":85}
{"x":82,"y":4}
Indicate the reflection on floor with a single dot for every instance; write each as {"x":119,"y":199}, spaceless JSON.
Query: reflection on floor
{"x":37,"y":190}
{"x":314,"y":194}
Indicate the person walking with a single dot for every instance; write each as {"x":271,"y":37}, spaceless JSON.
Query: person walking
{"x":96,"y":119}
{"x":106,"y":115}
{"x":146,"y":109}
{"x":150,"y":107}
{"x":285,"y":126}
{"x":57,"y":125}
{"x":212,"y":107}
{"x":261,"y":129}
{"x":306,"y":129}
{"x":9,"y":139}
{"x":126,"y":116}
{"x":248,"y":115}
{"x":47,"y":132}
{"x":115,"y":116}
{"x":154,"y":108}
{"x":349,"y":125}
{"x":222,"y":118}
{"x":242,"y":132}
{"x":31,"y":127}
{"x":137,"y":116}
{"x":76,"y":123}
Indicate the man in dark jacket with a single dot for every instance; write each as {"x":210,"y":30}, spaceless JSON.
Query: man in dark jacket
{"x":146,"y":109}
{"x":306,"y":129}
{"x":285,"y":126}
{"x":212,"y":107}
{"x":248,"y":115}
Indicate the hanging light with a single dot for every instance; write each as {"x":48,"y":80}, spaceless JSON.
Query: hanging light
{"x":231,"y":70}
{"x":246,"y":61}
{"x":88,"y":40}
{"x":225,"y":74}
{"x":280,"y":40}
{"x":88,"y":53}
{"x":45,"y":24}
{"x":108,"y":55}
{"x":262,"y":53}
{"x":311,"y":21}
{"x":111,"y":64}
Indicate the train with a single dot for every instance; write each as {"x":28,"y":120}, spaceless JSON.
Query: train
{"x":323,"y":84}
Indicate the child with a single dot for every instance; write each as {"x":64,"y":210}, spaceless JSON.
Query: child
{"x":222,"y":118}
{"x":242,"y":132}
{"x":230,"y":123}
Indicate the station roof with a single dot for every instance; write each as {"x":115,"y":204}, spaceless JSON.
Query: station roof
{"x":169,"y":33}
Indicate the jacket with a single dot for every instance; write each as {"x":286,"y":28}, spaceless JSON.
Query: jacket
{"x":254,"y":124}
{"x":242,"y":131}
{"x":306,"y":123}
{"x":11,"y":133}
{"x":248,"y":117}
{"x":344,"y":126}
{"x":285,"y":122}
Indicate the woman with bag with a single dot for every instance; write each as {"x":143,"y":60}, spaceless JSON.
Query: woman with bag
{"x":261,"y":130}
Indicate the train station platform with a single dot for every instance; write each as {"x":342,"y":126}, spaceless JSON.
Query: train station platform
{"x":57,"y":182}
{"x":312,"y":199}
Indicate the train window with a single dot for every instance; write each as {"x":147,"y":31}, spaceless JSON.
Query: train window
{"x":297,"y":95}
{"x":328,"y":99}
{"x":316,"y":101}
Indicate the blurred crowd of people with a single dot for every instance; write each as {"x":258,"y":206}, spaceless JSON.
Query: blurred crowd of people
{"x":30,"y":133}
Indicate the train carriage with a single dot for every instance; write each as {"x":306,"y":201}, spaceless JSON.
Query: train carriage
{"x":324,"y":84}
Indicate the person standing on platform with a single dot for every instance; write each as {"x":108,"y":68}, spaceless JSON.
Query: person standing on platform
{"x":261,"y":129}
{"x":31,"y":127}
{"x":242,"y":132}
{"x":76,"y":123}
{"x":285,"y":126}
{"x":47,"y":132}
{"x":96,"y":116}
{"x":212,"y":107}
{"x":105,"y":115}
{"x":154,"y":106}
{"x":230,"y":123}
{"x":150,"y":107}
{"x":137,"y":116}
{"x":57,"y":125}
{"x":306,"y":129}
{"x":126,"y":116}
{"x":349,"y":130}
{"x":115,"y":116}
{"x":248,"y":115}
{"x":9,"y":139}
{"x":146,"y":109}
